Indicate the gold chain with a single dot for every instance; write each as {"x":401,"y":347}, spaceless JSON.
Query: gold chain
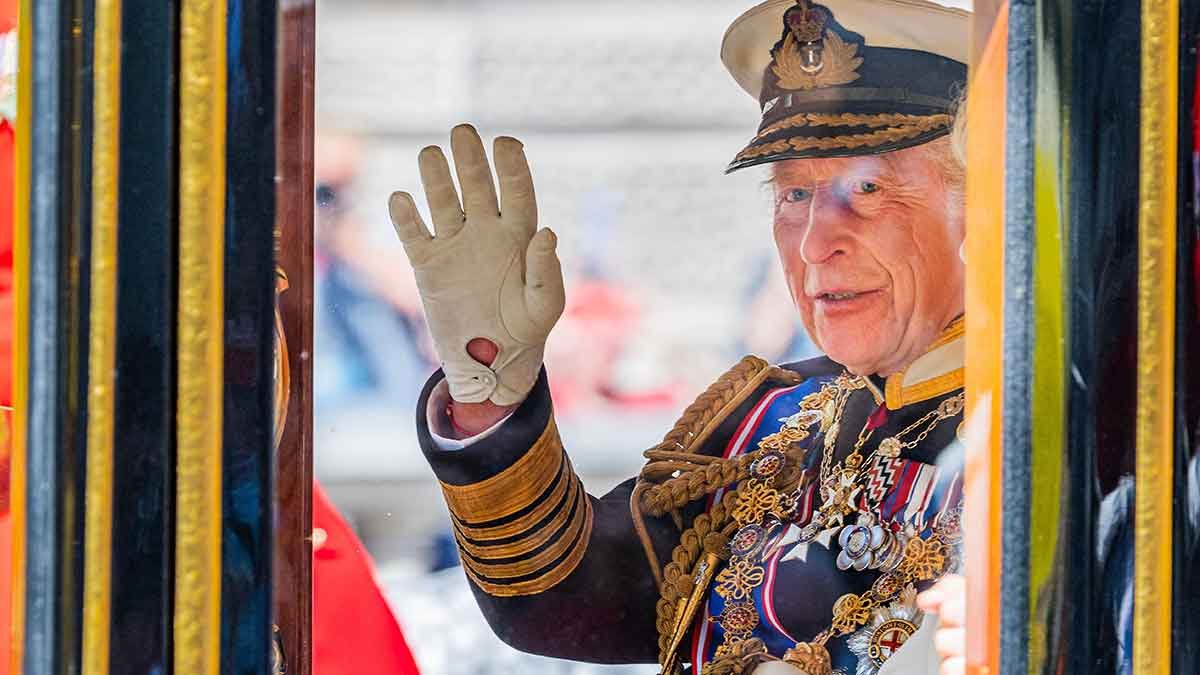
{"x":947,"y":409}
{"x":758,"y":499}
{"x":845,"y":386}
{"x":855,"y":459}
{"x":924,"y":560}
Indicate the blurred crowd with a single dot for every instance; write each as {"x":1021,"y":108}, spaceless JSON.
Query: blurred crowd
{"x":373,"y":349}
{"x":669,"y":277}
{"x":374,"y":345}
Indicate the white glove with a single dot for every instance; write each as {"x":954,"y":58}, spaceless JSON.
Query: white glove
{"x":488,"y":272}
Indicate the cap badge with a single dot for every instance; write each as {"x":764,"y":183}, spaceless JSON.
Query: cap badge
{"x":811,"y":55}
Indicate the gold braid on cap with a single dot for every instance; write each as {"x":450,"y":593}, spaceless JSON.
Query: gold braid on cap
{"x":853,"y":120}
{"x":868,"y":139}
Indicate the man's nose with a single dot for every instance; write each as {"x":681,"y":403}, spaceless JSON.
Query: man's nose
{"x":828,"y":229}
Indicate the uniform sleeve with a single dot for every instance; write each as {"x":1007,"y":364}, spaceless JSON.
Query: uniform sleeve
{"x":556,"y":571}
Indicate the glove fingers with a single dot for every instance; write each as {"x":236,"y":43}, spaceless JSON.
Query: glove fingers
{"x":407,"y":221}
{"x":439,"y":191}
{"x":474,"y":174}
{"x":518,"y":206}
{"x":544,"y":294}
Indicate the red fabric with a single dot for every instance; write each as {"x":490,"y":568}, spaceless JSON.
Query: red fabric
{"x":8,"y":21}
{"x":8,"y":15}
{"x":6,"y":260}
{"x":354,"y":631}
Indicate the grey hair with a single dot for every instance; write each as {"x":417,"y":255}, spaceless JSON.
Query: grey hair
{"x":958,"y":132}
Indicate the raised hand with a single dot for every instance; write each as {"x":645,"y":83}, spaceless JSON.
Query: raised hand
{"x":948,"y":599}
{"x":487,"y":271}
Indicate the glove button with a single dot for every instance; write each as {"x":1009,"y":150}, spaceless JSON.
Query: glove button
{"x":487,"y":379}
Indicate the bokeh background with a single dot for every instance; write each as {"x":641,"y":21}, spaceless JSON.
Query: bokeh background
{"x":628,"y":119}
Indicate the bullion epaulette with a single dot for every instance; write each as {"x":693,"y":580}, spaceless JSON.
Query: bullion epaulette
{"x":675,"y":475}
{"x":525,"y":529}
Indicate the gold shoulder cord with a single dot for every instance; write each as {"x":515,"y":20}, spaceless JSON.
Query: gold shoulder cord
{"x":676,"y":476}
{"x":766,"y":476}
{"x":762,"y":506}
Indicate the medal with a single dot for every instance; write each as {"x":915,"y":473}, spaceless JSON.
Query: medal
{"x":738,"y":619}
{"x":838,"y":495}
{"x":861,"y":543}
{"x":889,"y":629}
{"x":767,"y":465}
{"x":868,"y":544}
{"x":748,"y":541}
{"x":802,"y":420}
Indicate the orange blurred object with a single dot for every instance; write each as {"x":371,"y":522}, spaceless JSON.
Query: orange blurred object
{"x":985,"y":314}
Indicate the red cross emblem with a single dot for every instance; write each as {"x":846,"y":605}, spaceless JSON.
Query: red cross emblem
{"x":892,"y":641}
{"x":888,"y":638}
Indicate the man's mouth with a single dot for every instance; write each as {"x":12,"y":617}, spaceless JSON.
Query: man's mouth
{"x":848,"y":295}
{"x":839,"y":296}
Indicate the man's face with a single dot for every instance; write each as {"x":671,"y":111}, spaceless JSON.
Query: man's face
{"x":870,"y":246}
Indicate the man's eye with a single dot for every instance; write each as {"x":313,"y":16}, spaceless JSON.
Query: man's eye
{"x":866,"y":187}
{"x":797,"y":195}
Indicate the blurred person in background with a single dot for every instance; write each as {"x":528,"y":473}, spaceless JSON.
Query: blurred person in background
{"x":374,"y":341}
{"x":598,"y":327}
{"x":353,"y":628}
{"x":787,"y":522}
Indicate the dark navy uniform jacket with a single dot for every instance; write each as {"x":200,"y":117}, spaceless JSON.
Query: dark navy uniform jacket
{"x":562,"y":573}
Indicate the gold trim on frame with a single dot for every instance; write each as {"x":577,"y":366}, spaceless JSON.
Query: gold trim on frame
{"x":201,"y":309}
{"x":97,"y":574}
{"x":283,"y":368}
{"x":1049,"y":357}
{"x":1156,"y":338}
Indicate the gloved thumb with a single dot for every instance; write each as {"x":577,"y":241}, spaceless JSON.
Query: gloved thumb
{"x":544,"y":295}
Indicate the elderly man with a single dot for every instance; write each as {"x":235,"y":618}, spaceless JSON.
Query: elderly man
{"x":788,"y":520}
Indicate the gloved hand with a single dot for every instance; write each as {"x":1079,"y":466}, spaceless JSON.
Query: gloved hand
{"x":487,"y":271}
